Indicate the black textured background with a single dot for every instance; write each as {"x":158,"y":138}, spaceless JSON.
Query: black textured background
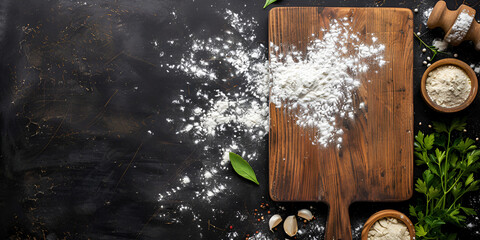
{"x":76,"y":159}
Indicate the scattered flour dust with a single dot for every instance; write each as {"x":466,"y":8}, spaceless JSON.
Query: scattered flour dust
{"x":474,"y":201}
{"x":320,"y":85}
{"x":243,"y":110}
{"x":476,"y":68}
{"x":223,"y":108}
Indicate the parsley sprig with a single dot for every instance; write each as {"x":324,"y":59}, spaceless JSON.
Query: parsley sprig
{"x":451,"y":165}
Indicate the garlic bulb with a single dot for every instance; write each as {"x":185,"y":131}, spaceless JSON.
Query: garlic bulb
{"x":306,"y":214}
{"x":290,"y":225}
{"x":274,"y":221}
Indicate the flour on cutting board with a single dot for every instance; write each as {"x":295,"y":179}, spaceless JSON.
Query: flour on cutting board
{"x":321,"y":83}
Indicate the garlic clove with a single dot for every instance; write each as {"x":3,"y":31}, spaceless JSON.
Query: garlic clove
{"x":274,"y":221}
{"x":290,"y":225}
{"x":306,"y":214}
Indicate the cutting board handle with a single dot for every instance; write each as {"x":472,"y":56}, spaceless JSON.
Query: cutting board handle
{"x":338,"y":222}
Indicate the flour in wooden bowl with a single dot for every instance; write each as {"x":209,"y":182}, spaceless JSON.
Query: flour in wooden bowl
{"x":448,"y":86}
{"x":388,"y":229}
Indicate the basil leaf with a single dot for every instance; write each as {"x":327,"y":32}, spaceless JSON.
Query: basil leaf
{"x":242,"y":167}
{"x":268,"y":2}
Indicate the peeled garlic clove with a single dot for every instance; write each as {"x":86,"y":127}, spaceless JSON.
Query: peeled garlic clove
{"x":274,"y":221}
{"x":290,"y":225}
{"x":305,"y":213}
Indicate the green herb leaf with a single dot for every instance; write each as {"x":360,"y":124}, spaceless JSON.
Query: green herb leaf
{"x":465,"y":145}
{"x":440,"y":127}
{"x":473,"y":187}
{"x":457,"y":190}
{"x":428,"y":141}
{"x":420,"y":186}
{"x":420,"y":231}
{"x":412,"y":211}
{"x":453,"y":159}
{"x":419,"y":139}
{"x":268,"y":2}
{"x":242,"y":167}
{"x":468,"y":211}
{"x":441,"y":140}
{"x":427,"y":177}
{"x":452,"y":236}
{"x":458,"y":124}
{"x":439,"y":155}
{"x":433,"y":222}
{"x":434,"y":192}
{"x":473,"y":156}
{"x":469,"y":179}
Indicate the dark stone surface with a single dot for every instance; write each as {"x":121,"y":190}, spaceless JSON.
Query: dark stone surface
{"x":76,"y":159}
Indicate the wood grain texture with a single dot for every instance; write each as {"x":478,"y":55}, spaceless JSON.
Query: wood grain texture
{"x":375,"y":162}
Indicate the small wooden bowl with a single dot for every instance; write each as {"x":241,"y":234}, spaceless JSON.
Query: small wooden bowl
{"x":386,"y":214}
{"x":468,"y":70}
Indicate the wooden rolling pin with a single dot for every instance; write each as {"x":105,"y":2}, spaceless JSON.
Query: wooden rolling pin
{"x":442,"y":17}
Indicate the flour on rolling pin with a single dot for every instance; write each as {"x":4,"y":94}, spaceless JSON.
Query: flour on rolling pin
{"x":320,"y":83}
{"x":460,"y":27}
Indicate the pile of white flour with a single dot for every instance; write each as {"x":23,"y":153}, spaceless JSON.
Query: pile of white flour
{"x":440,"y":44}
{"x":320,"y":85}
{"x":448,"y":86}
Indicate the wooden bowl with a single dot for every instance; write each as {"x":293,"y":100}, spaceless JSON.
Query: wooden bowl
{"x":468,"y":70}
{"x":386,"y":214}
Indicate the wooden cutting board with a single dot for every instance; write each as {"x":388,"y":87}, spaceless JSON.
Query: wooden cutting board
{"x":375,"y":162}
